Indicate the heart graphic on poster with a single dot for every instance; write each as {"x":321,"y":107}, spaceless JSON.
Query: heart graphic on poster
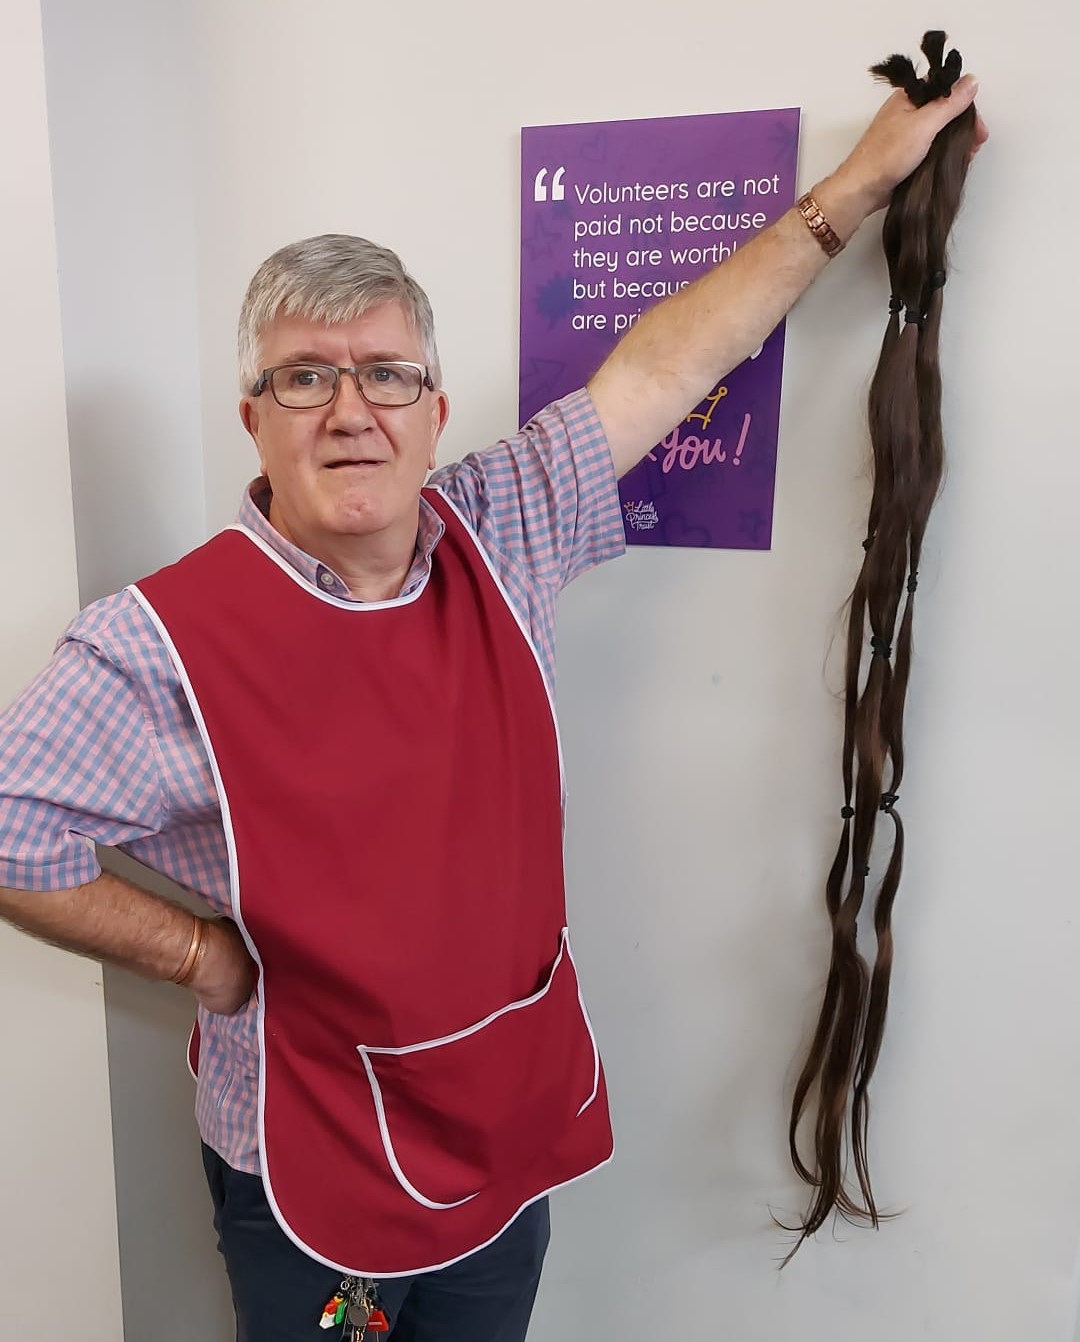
{"x":752,"y":523}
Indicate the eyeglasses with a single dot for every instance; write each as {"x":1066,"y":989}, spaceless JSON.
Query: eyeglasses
{"x":303,"y":386}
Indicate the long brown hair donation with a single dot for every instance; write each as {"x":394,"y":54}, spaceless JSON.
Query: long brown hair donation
{"x":905,"y":433}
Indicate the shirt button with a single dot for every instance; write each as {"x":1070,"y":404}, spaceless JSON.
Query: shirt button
{"x":326,"y":578}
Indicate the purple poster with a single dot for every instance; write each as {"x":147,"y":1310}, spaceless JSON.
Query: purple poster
{"x":615,"y":215}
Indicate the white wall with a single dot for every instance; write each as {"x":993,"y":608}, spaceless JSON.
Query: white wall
{"x":121,"y":95}
{"x":57,"y":1210}
{"x":701,"y":731}
{"x":121,"y":99}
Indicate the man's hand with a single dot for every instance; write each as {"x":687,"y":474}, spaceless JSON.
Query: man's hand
{"x":899,"y":138}
{"x":225,"y":977}
{"x":111,"y":919}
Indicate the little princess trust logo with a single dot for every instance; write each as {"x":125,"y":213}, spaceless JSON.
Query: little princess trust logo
{"x":641,"y":516}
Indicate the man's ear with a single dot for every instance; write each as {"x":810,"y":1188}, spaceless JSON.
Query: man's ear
{"x":249,"y":417}
{"x":440,"y":413}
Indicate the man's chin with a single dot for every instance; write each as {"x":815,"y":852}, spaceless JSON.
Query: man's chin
{"x":363,"y":520}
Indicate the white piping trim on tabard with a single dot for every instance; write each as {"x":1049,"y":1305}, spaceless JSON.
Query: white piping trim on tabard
{"x":366,"y":1053}
{"x":187,"y":1052}
{"x":388,"y":1146}
{"x":200,"y":722}
{"x":234,"y":901}
{"x":401,"y":1050}
{"x":588,"y":1026}
{"x":525,"y":634}
{"x":234,"y":884}
{"x":355,"y":607}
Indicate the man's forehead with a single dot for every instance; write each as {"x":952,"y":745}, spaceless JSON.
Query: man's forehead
{"x":385,"y":327}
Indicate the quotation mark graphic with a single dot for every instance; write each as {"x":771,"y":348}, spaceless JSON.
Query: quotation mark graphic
{"x":540,"y":191}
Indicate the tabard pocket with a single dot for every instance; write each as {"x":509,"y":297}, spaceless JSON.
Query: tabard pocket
{"x":477,"y":1107}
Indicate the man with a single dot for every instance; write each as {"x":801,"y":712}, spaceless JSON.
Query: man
{"x":334,"y":722}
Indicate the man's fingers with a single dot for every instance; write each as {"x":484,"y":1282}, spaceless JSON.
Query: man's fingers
{"x":963,"y":92}
{"x":959,"y":100}
{"x":982,"y":132}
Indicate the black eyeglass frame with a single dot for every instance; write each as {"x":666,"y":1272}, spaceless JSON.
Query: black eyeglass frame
{"x":266,"y":379}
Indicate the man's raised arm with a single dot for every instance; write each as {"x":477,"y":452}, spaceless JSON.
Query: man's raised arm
{"x":678,"y":351}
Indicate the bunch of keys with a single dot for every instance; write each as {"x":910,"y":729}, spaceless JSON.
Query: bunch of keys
{"x":355,"y":1308}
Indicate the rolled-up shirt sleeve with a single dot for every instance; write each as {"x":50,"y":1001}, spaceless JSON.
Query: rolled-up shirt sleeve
{"x":546,"y":499}
{"x":79,"y":764}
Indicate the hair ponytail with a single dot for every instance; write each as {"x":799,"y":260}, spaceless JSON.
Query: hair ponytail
{"x":908,"y":457}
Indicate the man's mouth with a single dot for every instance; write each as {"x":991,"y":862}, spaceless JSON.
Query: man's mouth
{"x":353,"y":463}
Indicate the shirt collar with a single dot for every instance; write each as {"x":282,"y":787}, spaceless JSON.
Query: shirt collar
{"x":254,"y":514}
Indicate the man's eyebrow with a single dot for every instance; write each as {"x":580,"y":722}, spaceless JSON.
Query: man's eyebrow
{"x":376,"y":356}
{"x":305,"y":356}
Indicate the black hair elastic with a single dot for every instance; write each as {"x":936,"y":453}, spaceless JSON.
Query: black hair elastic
{"x":896,"y":305}
{"x":865,"y":871}
{"x":913,"y":317}
{"x":888,"y":801}
{"x":936,"y":280}
{"x":880,"y":648}
{"x":913,"y":580}
{"x":847,"y":812}
{"x":869,"y":541}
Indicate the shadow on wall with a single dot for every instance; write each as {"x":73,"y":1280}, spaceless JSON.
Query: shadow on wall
{"x":137,"y":481}
{"x":163,"y":1207}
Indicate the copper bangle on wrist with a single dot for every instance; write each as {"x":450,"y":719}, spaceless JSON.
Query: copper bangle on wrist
{"x":194,"y":953}
{"x":816,"y":222}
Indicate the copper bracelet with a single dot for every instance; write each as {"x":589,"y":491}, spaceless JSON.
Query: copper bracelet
{"x":194,"y":953}
{"x":818,"y":225}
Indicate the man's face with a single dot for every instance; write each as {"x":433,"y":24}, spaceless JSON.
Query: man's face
{"x":347,"y":469}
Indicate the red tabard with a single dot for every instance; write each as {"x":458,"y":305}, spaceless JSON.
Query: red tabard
{"x":390,"y":786}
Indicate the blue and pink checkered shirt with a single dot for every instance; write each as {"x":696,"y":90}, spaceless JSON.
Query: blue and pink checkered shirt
{"x":102,"y":747}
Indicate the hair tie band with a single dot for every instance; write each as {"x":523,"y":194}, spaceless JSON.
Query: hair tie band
{"x":936,"y":280}
{"x":913,"y":317}
{"x":869,"y":541}
{"x":847,"y":812}
{"x":913,"y":580}
{"x":880,"y":648}
{"x":889,"y":800}
{"x":864,"y":871}
{"x":896,"y":305}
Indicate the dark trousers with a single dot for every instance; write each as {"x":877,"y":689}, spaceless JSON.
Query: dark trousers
{"x":278,"y":1291}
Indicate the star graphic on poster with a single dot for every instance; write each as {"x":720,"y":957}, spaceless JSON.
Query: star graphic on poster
{"x":542,"y":241}
{"x":782,"y":142}
{"x":555,"y":298}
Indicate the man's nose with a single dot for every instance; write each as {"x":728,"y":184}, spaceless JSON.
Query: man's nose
{"x":349,"y":412}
